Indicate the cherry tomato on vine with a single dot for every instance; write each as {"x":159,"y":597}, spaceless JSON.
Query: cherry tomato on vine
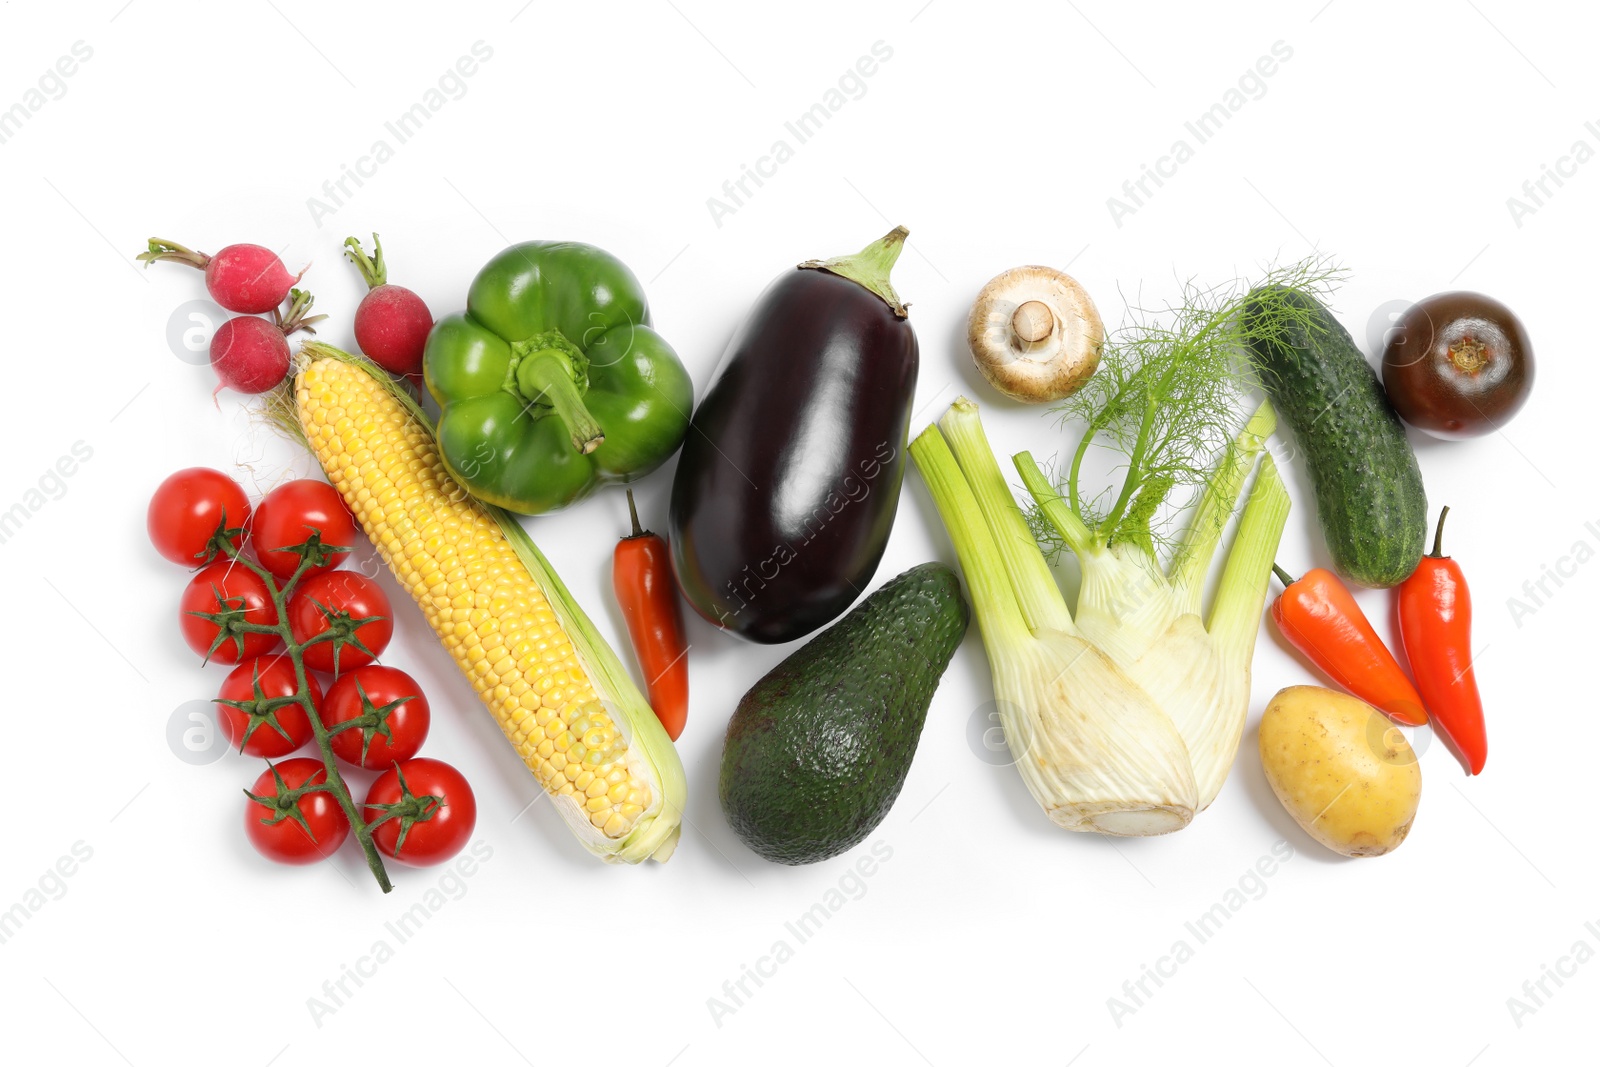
{"x":237,"y":594}
{"x":427,"y":808}
{"x":290,"y":515}
{"x":395,"y":698}
{"x":188,"y":507}
{"x":353,"y":606}
{"x":289,"y":829}
{"x":258,"y":728}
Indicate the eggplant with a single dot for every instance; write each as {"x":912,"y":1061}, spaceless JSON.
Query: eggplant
{"x":786,"y":489}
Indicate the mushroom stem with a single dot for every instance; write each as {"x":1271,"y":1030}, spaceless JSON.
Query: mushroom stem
{"x":1032,"y":322}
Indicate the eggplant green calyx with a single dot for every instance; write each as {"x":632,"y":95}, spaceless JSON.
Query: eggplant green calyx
{"x":550,"y":371}
{"x":870,"y":267}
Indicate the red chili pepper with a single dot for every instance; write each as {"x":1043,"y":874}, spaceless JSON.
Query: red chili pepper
{"x":641,"y":576}
{"x":1318,"y":616}
{"x":1436,"y":630}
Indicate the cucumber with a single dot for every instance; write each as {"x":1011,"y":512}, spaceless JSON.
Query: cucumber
{"x":1370,"y":499}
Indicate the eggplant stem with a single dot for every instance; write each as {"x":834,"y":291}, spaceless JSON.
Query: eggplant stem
{"x":870,"y":267}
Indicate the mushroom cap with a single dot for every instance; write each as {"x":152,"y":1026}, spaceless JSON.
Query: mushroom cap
{"x":1035,"y":334}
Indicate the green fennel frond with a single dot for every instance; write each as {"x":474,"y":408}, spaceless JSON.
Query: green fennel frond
{"x":1167,"y":396}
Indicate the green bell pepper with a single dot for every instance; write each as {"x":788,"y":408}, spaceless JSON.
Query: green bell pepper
{"x":552,"y":383}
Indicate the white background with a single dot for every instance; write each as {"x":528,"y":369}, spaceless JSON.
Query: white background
{"x":1391,"y":139}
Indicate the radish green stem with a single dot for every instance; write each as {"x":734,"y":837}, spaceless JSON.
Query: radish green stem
{"x":158,"y":250}
{"x":373,"y":270}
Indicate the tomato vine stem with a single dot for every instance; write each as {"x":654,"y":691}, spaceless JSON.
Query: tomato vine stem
{"x":223,"y":544}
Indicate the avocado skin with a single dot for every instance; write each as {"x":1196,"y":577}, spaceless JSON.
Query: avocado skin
{"x":818,"y":749}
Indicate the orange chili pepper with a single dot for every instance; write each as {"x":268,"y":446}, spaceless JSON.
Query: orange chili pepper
{"x":641,"y":577}
{"x":1318,"y":616}
{"x":1436,"y":630}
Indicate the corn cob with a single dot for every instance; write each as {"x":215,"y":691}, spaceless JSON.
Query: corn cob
{"x":558,"y":692}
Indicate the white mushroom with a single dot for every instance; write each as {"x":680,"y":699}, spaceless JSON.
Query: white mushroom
{"x":1035,"y":334}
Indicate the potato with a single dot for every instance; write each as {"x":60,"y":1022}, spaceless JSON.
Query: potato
{"x":1347,"y":774}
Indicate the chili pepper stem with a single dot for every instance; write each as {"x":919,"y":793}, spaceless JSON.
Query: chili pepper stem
{"x":295,"y":650}
{"x":633,"y":513}
{"x":1438,"y":535}
{"x":1283,"y":576}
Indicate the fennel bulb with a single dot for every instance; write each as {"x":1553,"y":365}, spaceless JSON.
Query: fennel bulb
{"x":1124,"y":715}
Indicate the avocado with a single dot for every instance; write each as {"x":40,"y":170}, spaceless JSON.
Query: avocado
{"x":818,"y":749}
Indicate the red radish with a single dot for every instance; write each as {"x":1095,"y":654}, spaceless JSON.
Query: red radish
{"x":392,"y":322}
{"x":248,"y":279}
{"x":251,"y":355}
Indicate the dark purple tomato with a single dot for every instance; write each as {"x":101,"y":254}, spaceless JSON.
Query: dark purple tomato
{"x":1458,"y":365}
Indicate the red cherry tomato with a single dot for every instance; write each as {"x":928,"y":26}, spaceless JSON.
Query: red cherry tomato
{"x":290,"y":514}
{"x":395,"y":698}
{"x":229,"y":588}
{"x":188,"y":507}
{"x":253,"y":730}
{"x":286,"y":840}
{"x":353,"y":606}
{"x":430,"y":802}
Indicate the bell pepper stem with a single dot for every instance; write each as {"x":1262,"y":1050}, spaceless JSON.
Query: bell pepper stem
{"x":546,"y":377}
